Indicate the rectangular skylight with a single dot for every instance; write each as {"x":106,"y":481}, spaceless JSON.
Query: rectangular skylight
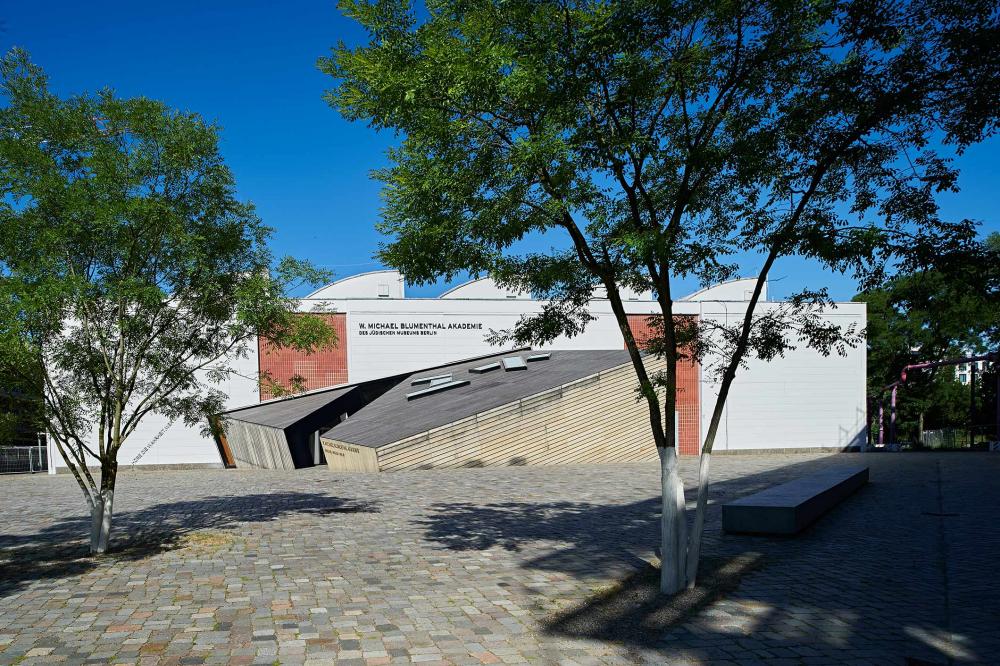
{"x":538,"y":357}
{"x":485,"y":368}
{"x":436,"y":388}
{"x":514,"y":363}
{"x":436,"y":379}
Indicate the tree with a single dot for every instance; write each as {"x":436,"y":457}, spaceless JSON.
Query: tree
{"x":20,"y":406}
{"x":661,"y":140}
{"x":131,"y":277}
{"x":947,"y":310}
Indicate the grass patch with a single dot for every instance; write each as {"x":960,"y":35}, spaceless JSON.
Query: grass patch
{"x":208,"y":540}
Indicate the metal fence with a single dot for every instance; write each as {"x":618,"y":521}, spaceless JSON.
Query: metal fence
{"x":982,"y":437}
{"x":23,"y":459}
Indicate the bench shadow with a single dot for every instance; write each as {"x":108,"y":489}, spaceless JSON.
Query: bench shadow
{"x":62,"y":550}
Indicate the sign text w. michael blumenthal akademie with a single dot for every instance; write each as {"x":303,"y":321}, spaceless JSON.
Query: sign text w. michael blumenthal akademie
{"x":389,"y":328}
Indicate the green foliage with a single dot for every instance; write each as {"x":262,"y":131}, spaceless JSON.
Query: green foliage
{"x":948,"y":311}
{"x":131,"y":277}
{"x":662,"y":139}
{"x":20,"y":398}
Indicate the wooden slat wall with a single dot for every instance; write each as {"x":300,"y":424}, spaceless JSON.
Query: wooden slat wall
{"x":258,"y":446}
{"x":595,"y":419}
{"x":344,"y":457}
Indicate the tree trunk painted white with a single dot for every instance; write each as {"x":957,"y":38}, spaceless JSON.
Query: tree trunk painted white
{"x":100,"y":528}
{"x":694,"y":547}
{"x":682,"y":527}
{"x":105,"y":536}
{"x":96,"y":521}
{"x":673,"y":541}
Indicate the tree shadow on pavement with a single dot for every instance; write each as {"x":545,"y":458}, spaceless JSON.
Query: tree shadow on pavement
{"x":598,"y":538}
{"x":859,"y":584}
{"x":62,"y":550}
{"x":635,"y":612}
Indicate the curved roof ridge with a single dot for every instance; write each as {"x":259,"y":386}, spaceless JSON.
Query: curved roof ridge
{"x":349,"y":278}
{"x":464,"y":284}
{"x":694,"y":294}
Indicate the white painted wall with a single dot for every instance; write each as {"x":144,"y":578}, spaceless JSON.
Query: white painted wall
{"x":385,"y":337}
{"x":180,"y":444}
{"x":800,"y":401}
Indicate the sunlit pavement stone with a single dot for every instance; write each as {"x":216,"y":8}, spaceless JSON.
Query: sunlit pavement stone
{"x":470,"y":566}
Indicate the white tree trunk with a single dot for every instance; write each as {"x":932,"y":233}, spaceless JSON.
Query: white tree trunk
{"x":682,"y":531}
{"x":673,"y":528}
{"x":96,"y":520}
{"x":100,"y":527}
{"x":694,"y":547}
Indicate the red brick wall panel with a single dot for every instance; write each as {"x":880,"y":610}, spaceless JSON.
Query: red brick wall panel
{"x":688,"y":398}
{"x":327,"y":367}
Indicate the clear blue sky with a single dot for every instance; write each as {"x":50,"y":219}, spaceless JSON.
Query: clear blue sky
{"x":250,"y":67}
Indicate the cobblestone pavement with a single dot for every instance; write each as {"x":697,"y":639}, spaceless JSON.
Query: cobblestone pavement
{"x":470,"y":566}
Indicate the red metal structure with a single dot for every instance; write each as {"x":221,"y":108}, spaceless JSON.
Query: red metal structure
{"x":993,"y":357}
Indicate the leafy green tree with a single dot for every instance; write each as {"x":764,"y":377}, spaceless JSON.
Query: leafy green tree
{"x":653,"y":141}
{"x":131,"y":277}
{"x":949,"y":309}
{"x":20,"y":405}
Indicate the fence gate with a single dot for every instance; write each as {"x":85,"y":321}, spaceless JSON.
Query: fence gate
{"x":24,"y":459}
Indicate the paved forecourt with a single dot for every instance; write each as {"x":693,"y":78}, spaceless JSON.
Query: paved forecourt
{"x":476,"y":566}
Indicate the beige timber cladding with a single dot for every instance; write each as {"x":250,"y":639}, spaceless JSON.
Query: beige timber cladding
{"x":258,"y":446}
{"x":345,"y":457}
{"x":593,"y":419}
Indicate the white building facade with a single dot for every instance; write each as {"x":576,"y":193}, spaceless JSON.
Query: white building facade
{"x":803,"y":400}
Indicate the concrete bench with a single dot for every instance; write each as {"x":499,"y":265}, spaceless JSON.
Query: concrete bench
{"x":791,"y":507}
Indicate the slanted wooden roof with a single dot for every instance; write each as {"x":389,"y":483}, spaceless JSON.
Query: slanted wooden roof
{"x":393,"y":417}
{"x":285,"y":412}
{"x":282,"y":413}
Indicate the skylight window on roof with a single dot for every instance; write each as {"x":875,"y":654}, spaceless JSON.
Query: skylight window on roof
{"x":485,"y":368}
{"x":436,"y":379}
{"x":514,"y":363}
{"x":436,"y":388}
{"x":538,"y":357}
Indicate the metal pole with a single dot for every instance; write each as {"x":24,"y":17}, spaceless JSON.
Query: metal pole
{"x":892,"y":418}
{"x":881,"y":421}
{"x":972,"y":403}
{"x":866,"y":444}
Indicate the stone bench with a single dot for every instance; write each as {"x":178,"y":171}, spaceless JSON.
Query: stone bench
{"x":791,"y":507}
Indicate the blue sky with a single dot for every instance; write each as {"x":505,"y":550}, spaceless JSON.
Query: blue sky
{"x":250,"y":67}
